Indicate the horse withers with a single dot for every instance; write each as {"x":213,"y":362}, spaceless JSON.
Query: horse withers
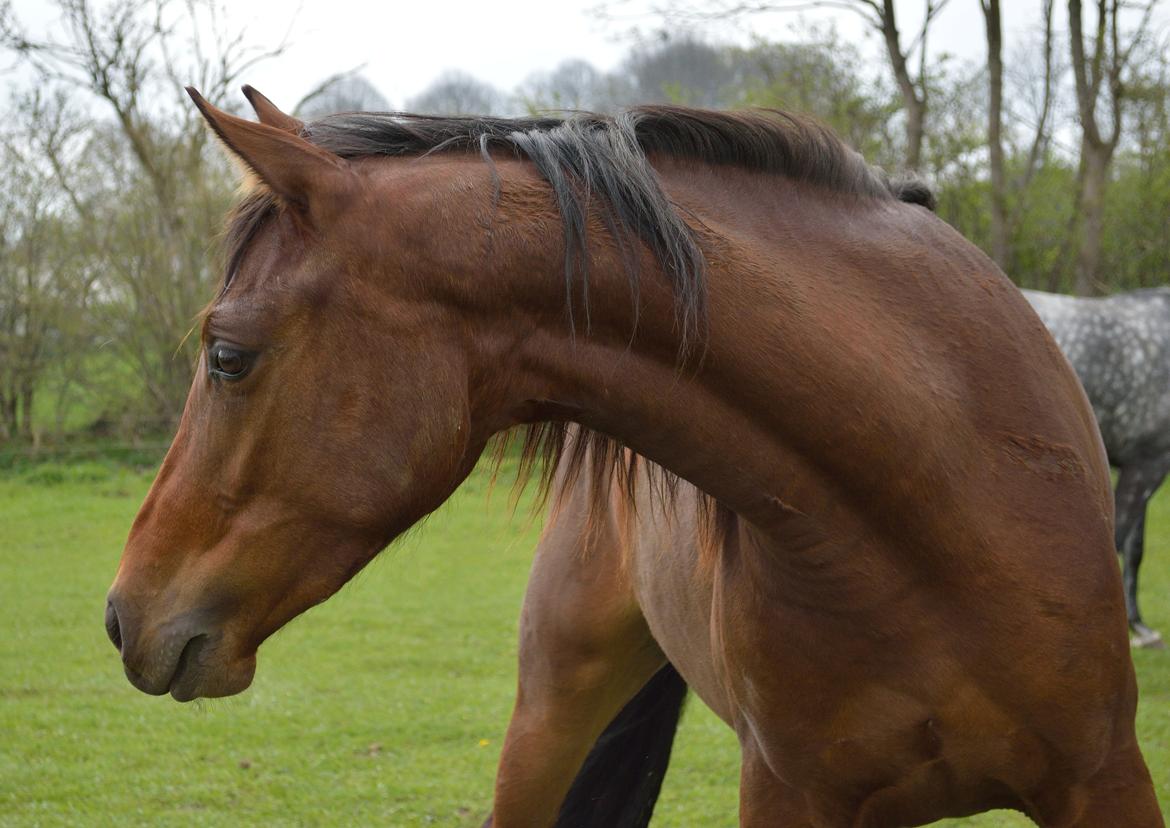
{"x":898,"y":583}
{"x":1120,"y":348}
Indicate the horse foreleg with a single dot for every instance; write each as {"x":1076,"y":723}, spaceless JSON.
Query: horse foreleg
{"x":585,"y":651}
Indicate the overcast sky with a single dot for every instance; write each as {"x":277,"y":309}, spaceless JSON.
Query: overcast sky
{"x":405,"y":46}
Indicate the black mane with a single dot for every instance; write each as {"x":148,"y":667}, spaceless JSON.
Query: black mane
{"x":609,"y":157}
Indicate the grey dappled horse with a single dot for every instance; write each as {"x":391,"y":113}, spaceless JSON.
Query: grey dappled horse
{"x":1120,"y":348}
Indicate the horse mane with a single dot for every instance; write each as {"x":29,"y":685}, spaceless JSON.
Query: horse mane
{"x":605,"y":163}
{"x":588,"y":154}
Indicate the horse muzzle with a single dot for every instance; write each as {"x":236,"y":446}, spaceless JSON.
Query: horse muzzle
{"x":183,"y":655}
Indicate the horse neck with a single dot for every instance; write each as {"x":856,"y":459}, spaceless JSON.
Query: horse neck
{"x":714,"y":418}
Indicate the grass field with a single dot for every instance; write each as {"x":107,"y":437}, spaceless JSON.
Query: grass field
{"x":385,"y":706}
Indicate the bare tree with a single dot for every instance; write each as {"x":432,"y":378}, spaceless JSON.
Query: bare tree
{"x":1024,"y":137}
{"x":44,"y":280}
{"x":344,"y":92}
{"x":1044,"y":104}
{"x":679,"y":69}
{"x":160,"y":191}
{"x":914,"y":88}
{"x":881,"y":17}
{"x":458,"y":93}
{"x":575,"y":85}
{"x":999,"y":209}
{"x":1098,"y":74}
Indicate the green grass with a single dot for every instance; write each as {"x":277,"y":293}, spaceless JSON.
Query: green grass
{"x":385,"y":706}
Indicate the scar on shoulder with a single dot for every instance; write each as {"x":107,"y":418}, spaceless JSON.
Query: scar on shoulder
{"x":1053,"y":460}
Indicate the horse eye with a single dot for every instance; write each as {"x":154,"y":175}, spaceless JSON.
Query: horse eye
{"x":227,"y":362}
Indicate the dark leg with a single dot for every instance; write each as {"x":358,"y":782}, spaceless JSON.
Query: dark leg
{"x":619,"y":783}
{"x":585,"y":651}
{"x":1135,"y":486}
{"x":1132,"y":556}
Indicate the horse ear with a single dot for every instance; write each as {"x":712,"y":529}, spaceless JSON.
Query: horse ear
{"x":270,"y":114}
{"x":310,"y":180}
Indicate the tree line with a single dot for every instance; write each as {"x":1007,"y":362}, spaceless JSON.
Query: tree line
{"x":1052,"y":153}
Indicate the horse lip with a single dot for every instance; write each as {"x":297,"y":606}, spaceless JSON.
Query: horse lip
{"x":141,"y":682}
{"x":181,"y":677}
{"x":184,"y":683}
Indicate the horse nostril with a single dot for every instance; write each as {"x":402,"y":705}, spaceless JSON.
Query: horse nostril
{"x":112,"y":628}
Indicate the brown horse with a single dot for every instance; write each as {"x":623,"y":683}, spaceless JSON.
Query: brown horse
{"x":898,"y":586}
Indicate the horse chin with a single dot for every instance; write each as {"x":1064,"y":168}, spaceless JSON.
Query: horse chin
{"x":205,"y":679}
